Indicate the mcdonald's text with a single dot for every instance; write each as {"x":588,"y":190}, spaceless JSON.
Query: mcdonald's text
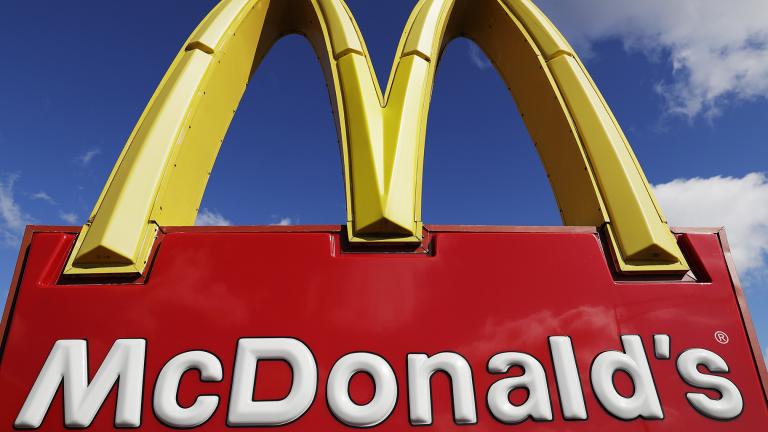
{"x":67,"y":367}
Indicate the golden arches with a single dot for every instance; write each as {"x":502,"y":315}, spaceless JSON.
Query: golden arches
{"x":161,"y":174}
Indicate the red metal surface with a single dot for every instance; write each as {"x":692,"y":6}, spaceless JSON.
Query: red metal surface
{"x":476,"y":293}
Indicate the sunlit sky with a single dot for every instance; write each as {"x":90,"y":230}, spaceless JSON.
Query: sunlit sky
{"x":77,"y":75}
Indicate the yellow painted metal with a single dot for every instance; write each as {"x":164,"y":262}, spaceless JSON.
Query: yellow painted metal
{"x":161,"y":174}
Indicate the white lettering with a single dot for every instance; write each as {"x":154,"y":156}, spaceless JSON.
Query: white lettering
{"x":644,"y":402}
{"x":384,"y":397}
{"x":165,"y":400}
{"x":122,"y":370}
{"x":730,"y":404}
{"x":534,"y":379}
{"x":420,"y":371}
{"x":68,"y":363}
{"x":243,"y":410}
{"x":567,"y":374}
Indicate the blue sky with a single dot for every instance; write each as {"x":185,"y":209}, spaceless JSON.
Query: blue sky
{"x":692,"y":98}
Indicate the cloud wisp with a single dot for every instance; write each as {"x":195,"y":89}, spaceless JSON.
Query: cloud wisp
{"x":12,"y":217}
{"x":477,"y":56}
{"x":284,"y":222}
{"x":739,"y":204}
{"x":43,"y":196}
{"x":68,"y":217}
{"x":211,"y":218}
{"x":85,"y":158}
{"x":718,"y":51}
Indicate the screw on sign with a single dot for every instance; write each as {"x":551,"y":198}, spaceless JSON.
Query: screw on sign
{"x":385,"y":322}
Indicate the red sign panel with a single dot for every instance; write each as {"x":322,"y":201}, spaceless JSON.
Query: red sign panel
{"x":253,"y":327}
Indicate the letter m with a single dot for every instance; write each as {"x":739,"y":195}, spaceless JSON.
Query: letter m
{"x":68,"y":363}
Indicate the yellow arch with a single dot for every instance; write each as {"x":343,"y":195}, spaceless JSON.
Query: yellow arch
{"x":161,"y":175}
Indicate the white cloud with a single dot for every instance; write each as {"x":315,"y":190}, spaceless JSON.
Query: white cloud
{"x":718,"y":49}
{"x":86,"y":158}
{"x":12,"y":218}
{"x":42,"y":196}
{"x":478,"y":57}
{"x":70,"y":218}
{"x":284,"y":221}
{"x":739,"y":204}
{"x":211,"y":218}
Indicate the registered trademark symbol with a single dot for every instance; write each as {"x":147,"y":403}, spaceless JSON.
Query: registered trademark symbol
{"x":721,"y":337}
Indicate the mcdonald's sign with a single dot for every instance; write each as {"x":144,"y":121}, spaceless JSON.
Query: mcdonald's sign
{"x":611,"y":322}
